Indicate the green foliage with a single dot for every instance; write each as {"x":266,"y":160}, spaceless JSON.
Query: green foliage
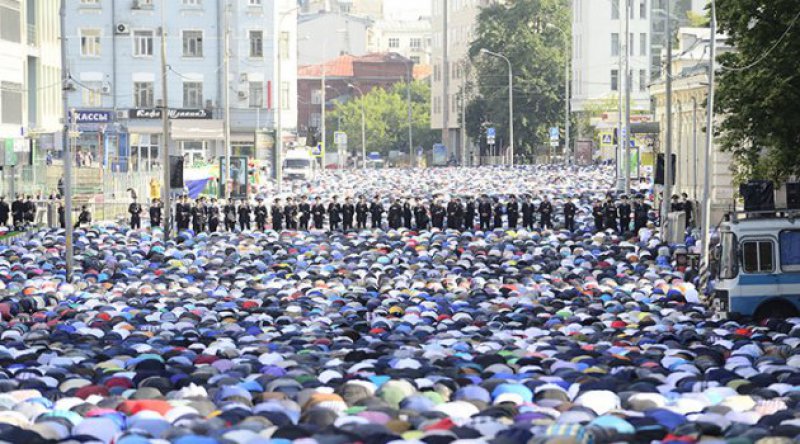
{"x":537,"y":53}
{"x":386,"y":118}
{"x":758,"y":105}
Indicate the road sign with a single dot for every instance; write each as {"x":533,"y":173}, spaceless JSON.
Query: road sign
{"x":554,"y":136}
{"x":317,"y":150}
{"x":490,"y":135}
{"x":606,"y":139}
{"x":340,"y":138}
{"x":554,"y":144}
{"x":624,"y":132}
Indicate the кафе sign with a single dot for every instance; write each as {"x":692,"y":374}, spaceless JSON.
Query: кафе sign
{"x":174,"y":113}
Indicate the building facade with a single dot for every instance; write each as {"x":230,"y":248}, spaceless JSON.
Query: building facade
{"x":365,"y":8}
{"x":30,"y":83}
{"x":690,"y":95}
{"x":379,"y":70}
{"x":409,"y":38}
{"x":114,"y":61}
{"x":327,"y":35}
{"x":455,"y":20}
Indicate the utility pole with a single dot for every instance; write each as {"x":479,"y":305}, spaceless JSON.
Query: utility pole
{"x":620,"y":141}
{"x":463,"y":125}
{"x":628,"y":79}
{"x":322,"y":112}
{"x":445,"y":78}
{"x":165,"y":193}
{"x":226,"y":86}
{"x":65,"y":88}
{"x":410,"y":115}
{"x":567,"y":82}
{"x":668,"y":173}
{"x":709,"y":138}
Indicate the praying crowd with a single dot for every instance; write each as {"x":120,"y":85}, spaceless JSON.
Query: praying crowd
{"x":502,"y":334}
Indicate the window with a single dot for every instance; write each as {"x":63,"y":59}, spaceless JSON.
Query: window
{"x":314,"y":120}
{"x":90,"y":42}
{"x":437,"y":73}
{"x":642,"y":9}
{"x":316,"y":97}
{"x":92,"y":94}
{"x":630,"y":44}
{"x":642,"y":80}
{"x":284,"y":52}
{"x":727,"y":258}
{"x":254,"y":2}
{"x":614,"y":9}
{"x":394,"y":42}
{"x":285,"y":95}
{"x":11,"y":103}
{"x":415,"y":59}
{"x":790,"y":250}
{"x":143,"y":43}
{"x":256,"y":44}
{"x":614,"y":80}
{"x":192,"y":2}
{"x":437,"y":105}
{"x":614,"y":44}
{"x":629,"y":7}
{"x":643,"y":44}
{"x":143,"y":94}
{"x":415,"y":43}
{"x":757,"y":256}
{"x":192,"y":94}
{"x":90,"y":2}
{"x":193,"y":43}
{"x":256,"y":94}
{"x":10,"y":25}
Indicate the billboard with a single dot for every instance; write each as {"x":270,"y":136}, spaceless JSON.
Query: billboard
{"x":584,"y":150}
{"x":439,"y":157}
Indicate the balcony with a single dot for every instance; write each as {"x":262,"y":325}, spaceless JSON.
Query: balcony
{"x":33,"y":36}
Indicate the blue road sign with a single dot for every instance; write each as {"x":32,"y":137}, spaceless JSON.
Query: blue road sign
{"x":554,"y":133}
{"x":490,"y":132}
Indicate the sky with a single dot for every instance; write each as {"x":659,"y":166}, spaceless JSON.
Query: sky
{"x":406,"y":9}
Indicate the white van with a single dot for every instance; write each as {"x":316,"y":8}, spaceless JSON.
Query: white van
{"x":298,"y":164}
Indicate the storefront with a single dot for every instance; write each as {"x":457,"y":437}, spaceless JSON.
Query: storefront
{"x":193,"y":132}
{"x":102,"y":141}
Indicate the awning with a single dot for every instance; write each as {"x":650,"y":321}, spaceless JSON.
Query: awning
{"x":136,"y":126}
{"x":197,"y":130}
{"x":243,"y":137}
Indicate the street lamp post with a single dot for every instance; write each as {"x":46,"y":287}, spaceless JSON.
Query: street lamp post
{"x":567,"y":147}
{"x":279,"y":103}
{"x":363,"y":127}
{"x":510,"y":101}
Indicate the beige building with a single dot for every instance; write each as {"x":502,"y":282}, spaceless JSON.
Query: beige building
{"x":690,"y":87}
{"x":409,"y":38}
{"x":365,"y":8}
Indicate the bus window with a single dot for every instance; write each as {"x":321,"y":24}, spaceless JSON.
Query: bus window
{"x":757,"y":256}
{"x":727,"y":256}
{"x":790,"y":250}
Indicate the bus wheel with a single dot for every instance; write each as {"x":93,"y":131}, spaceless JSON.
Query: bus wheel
{"x":777,"y":309}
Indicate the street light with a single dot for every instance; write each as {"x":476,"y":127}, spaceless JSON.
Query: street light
{"x":363,"y":127}
{"x":567,"y":148}
{"x":510,"y":101}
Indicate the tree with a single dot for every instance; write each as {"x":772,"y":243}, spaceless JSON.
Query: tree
{"x":386,"y":118}
{"x":758,"y":87}
{"x":518,"y":30}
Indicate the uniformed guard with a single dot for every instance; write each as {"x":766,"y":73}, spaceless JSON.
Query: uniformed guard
{"x":198,"y":216}
{"x":213,"y":216}
{"x":244,"y":215}
{"x":546,"y":213}
{"x":485,"y":213}
{"x":304,"y":209}
{"x":598,"y":214}
{"x":420,"y":214}
{"x":610,"y":214}
{"x":469,"y":214}
{"x":277,"y":214}
{"x":407,"y":213}
{"x":624,"y":213}
{"x":395,"y":214}
{"x":229,"y":211}
{"x":334,"y":214}
{"x":512,"y":211}
{"x":641,"y":212}
{"x":362,"y":209}
{"x":135,"y":210}
{"x":498,"y":211}
{"x":155,"y":213}
{"x":528,"y":213}
{"x":290,"y":214}
{"x":376,"y":211}
{"x":260,"y":214}
{"x":348,"y":211}
{"x":569,"y":215}
{"x":318,"y":213}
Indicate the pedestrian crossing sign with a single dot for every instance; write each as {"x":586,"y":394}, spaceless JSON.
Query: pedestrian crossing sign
{"x":606,"y":139}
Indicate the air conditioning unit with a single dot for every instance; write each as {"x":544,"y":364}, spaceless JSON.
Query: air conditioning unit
{"x":243,"y":77}
{"x":122,"y":115}
{"x":122,"y":28}
{"x":106,"y":89}
{"x":242,"y":95}
{"x":142,"y":4}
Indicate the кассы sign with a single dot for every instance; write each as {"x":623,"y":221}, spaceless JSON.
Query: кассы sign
{"x":175,"y":113}
{"x":92,"y":116}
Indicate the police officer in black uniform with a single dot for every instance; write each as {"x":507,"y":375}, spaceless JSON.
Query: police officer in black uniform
{"x":498,"y":211}
{"x":229,"y":211}
{"x":260,"y":213}
{"x":135,"y":210}
{"x":304,"y":208}
{"x":198,"y":216}
{"x":452,"y":219}
{"x":407,"y":213}
{"x":277,"y":214}
{"x":485,"y":213}
{"x":641,"y":212}
{"x":155,"y":213}
{"x":569,"y":215}
{"x":18,"y":212}
{"x":528,"y":213}
{"x":290,"y":214}
{"x":348,"y":212}
{"x":420,"y":214}
{"x":395,"y":214}
{"x":244,"y":215}
{"x":624,"y":213}
{"x":512,"y":211}
{"x":598,"y":214}
{"x":362,"y":209}
{"x":546,"y":213}
{"x":318,"y":213}
{"x":469,"y":214}
{"x":334,"y":214}
{"x":376,"y":211}
{"x":4,"y":211}
{"x":438,"y":213}
{"x":610,"y":214}
{"x":213,"y":215}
